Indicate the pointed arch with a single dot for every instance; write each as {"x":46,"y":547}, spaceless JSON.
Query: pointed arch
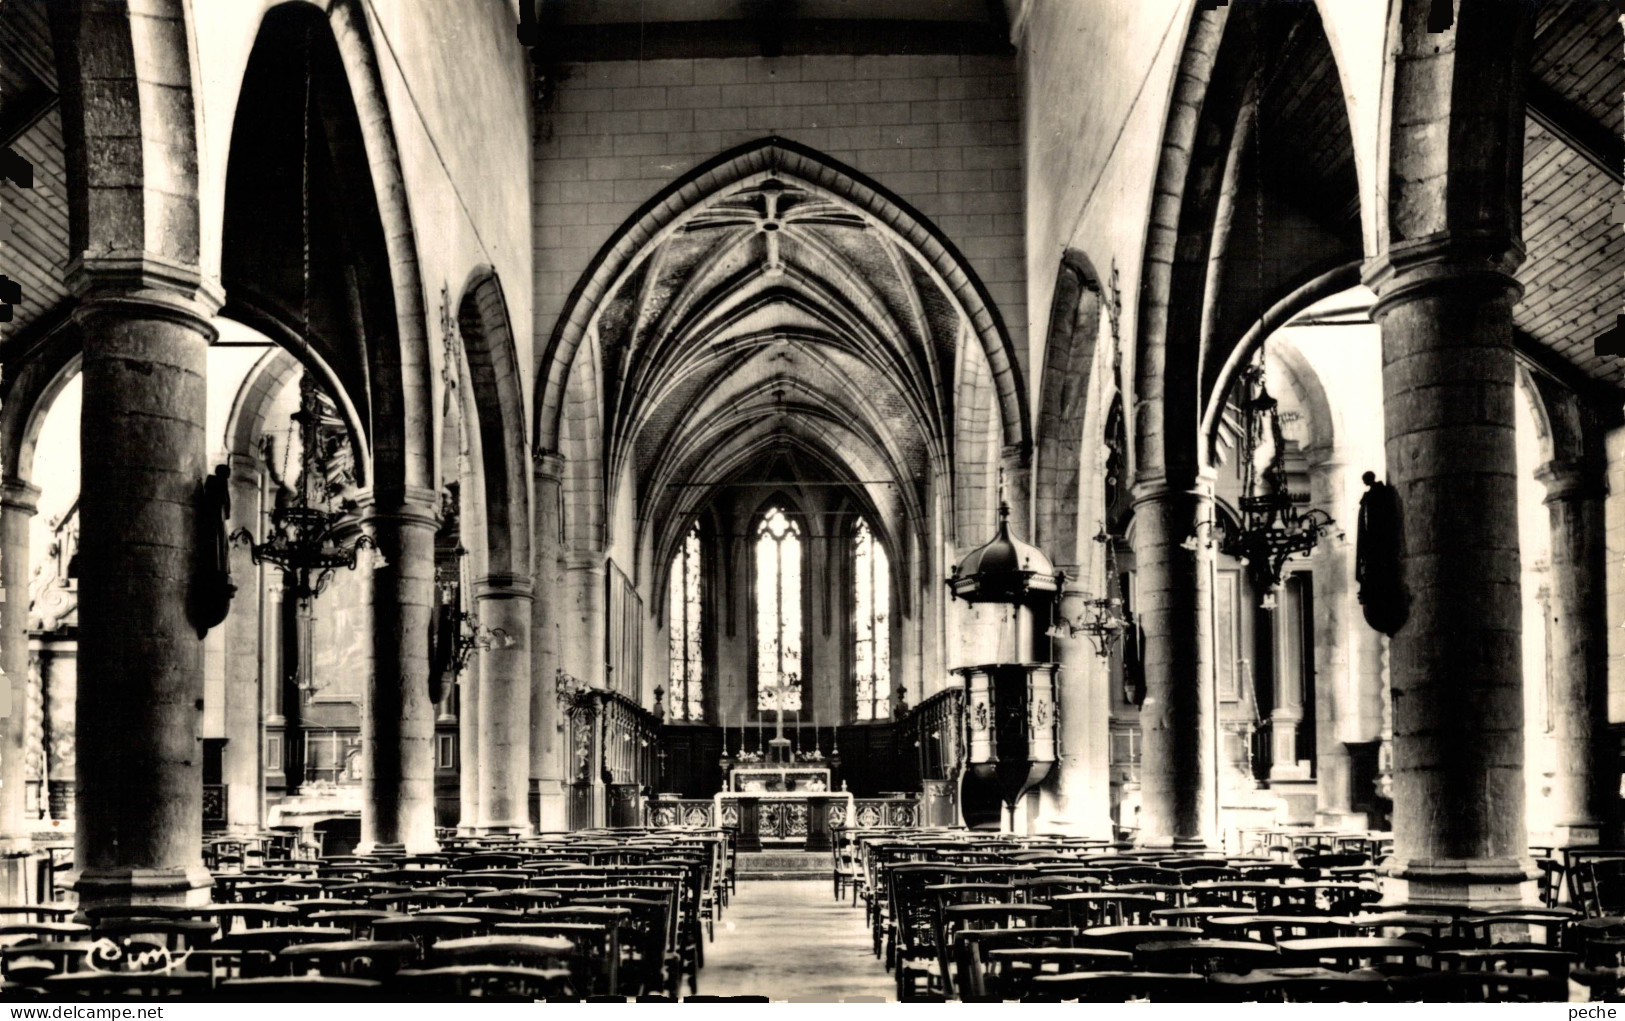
{"x":1069,"y":356}
{"x":619,"y":257}
{"x":497,"y":407}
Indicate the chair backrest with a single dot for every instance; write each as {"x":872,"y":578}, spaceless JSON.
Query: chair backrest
{"x":1117,"y":986}
{"x":598,"y":945}
{"x":488,"y":860}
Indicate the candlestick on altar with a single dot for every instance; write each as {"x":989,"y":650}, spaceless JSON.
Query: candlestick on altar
{"x":797,"y":734}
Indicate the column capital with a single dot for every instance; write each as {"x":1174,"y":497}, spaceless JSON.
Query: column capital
{"x":142,"y":280}
{"x":1410,"y":269}
{"x":1161,"y":489}
{"x":548,"y":465}
{"x":1571,"y":480}
{"x":504,"y":586}
{"x":584,"y":560}
{"x":245,"y":468}
{"x":406,"y":505}
{"x":17,"y":495}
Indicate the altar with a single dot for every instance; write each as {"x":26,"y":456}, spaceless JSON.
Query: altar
{"x":805,"y":817}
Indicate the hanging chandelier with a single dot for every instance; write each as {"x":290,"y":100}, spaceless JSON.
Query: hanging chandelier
{"x":1102,"y":619}
{"x":306,"y":539}
{"x":1273,"y":528}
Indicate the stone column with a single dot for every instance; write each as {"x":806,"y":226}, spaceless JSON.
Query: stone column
{"x":1577,"y":650}
{"x":583,"y":644}
{"x":505,"y":695}
{"x":397,"y":718}
{"x":547,"y":770}
{"x":1445,"y":309}
{"x":1287,"y":715}
{"x":243,"y":768}
{"x":140,"y":749}
{"x":469,"y":684}
{"x":1334,"y":602}
{"x":59,"y":689}
{"x":1016,"y":462}
{"x":18,"y":503}
{"x":1178,"y":772}
{"x":1085,"y":789}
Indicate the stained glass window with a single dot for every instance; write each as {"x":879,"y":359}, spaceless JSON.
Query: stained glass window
{"x":683,"y":626}
{"x":778,"y":612}
{"x":871,"y":631}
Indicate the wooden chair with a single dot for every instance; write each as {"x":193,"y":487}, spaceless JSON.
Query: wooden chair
{"x":277,"y":938}
{"x":1116,"y":987}
{"x":427,"y":930}
{"x":1597,"y":882}
{"x":43,"y":932}
{"x":1197,"y":916}
{"x":970,"y":947}
{"x":1350,"y":952}
{"x":174,"y":933}
{"x":1429,"y":930}
{"x":1206,"y":956}
{"x":1483,"y":930}
{"x":957,"y":918}
{"x":488,"y":861}
{"x":299,"y":988}
{"x":1478,"y":987}
{"x":483,"y":982}
{"x":1298,"y":985}
{"x":1275,"y":928}
{"x":596,"y":946}
{"x":356,"y":958}
{"x":1130,"y":937}
{"x":1008,"y":972}
{"x":126,"y":985}
{"x":252,"y":916}
{"x":1087,"y":910}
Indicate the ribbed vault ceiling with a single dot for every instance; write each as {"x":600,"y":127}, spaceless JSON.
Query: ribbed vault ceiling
{"x":774,"y":314}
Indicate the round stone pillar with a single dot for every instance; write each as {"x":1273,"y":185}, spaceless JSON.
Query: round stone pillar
{"x":503,"y":606}
{"x":1178,"y":765}
{"x":243,"y":769}
{"x":140,"y":748}
{"x":1085,"y":788}
{"x":18,"y":503}
{"x":468,"y":747}
{"x":1333,"y":595}
{"x":1456,"y":663}
{"x":547,"y":771}
{"x":397,"y":717}
{"x":1577,"y":651}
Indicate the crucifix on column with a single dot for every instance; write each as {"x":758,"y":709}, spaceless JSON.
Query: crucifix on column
{"x":780,"y":744}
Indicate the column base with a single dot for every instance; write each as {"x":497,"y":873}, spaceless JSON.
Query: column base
{"x":380,"y":848}
{"x":127,"y":886}
{"x":1469,"y":882}
{"x":1192,"y":844}
{"x":503,"y":829}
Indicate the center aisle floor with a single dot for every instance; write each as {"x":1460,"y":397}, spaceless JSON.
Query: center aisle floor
{"x":792,"y":940}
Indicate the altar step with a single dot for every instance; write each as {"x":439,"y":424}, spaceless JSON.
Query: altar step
{"x":783,"y":865}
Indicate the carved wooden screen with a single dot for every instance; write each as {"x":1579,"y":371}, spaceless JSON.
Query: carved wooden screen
{"x":625,"y":635}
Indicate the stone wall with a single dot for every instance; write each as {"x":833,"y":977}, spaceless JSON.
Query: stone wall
{"x":941,"y":132}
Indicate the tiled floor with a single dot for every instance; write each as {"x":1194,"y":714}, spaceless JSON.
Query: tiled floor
{"x":791,"y":940}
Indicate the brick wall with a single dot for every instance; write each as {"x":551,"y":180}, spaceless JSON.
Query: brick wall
{"x":941,"y":132}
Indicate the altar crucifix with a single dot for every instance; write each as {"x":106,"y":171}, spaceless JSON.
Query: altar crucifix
{"x":780,"y":744}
